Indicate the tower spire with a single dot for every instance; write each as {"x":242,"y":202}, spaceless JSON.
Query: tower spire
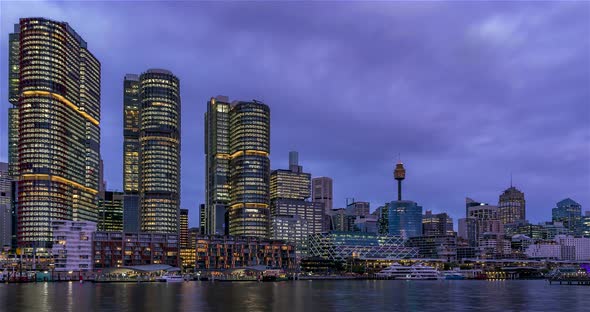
{"x":399,"y":173}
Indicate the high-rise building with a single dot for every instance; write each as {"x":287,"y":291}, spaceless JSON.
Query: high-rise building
{"x":405,"y":218}
{"x":183,"y":228}
{"x":131,"y":213}
{"x":217,"y":158}
{"x":289,"y":184}
{"x":58,"y":128}
{"x":470,"y":203}
{"x":321,"y":190}
{"x":570,"y":213}
{"x":159,"y":151}
{"x":110,"y":212}
{"x":249,"y":169}
{"x":512,"y":206}
{"x":13,"y":94}
{"x":358,"y":208}
{"x":5,"y":206}
{"x":131,"y":110}
{"x":202,"y":219}
{"x":437,"y":224}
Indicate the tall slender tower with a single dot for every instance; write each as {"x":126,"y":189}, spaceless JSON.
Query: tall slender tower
{"x":131,"y":210}
{"x":13,"y":94}
{"x":217,"y":166}
{"x":249,"y":169}
{"x":399,"y":174}
{"x":159,"y":151}
{"x":58,"y":128}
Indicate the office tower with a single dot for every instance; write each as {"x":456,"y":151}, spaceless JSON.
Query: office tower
{"x":437,"y":224}
{"x":131,"y":109}
{"x":217,"y":158}
{"x":13,"y":85}
{"x":321,"y":190}
{"x":399,"y":173}
{"x":405,"y":218}
{"x":512,"y":206}
{"x":290,"y":184}
{"x":569,"y":213}
{"x":5,"y":206}
{"x":202,"y":219}
{"x":468,"y":230}
{"x":110,"y":212}
{"x":471,"y":203}
{"x":249,"y":169}
{"x":159,"y":151}
{"x":358,"y":208}
{"x":183,"y":228}
{"x":102,"y":185}
{"x":58,"y":129}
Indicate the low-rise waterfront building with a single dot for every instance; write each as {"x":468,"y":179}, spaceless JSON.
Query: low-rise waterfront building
{"x":117,"y":249}
{"x":562,"y":247}
{"x":72,"y":245}
{"x":339,"y":246}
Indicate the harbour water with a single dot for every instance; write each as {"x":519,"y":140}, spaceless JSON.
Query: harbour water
{"x":345,"y":295}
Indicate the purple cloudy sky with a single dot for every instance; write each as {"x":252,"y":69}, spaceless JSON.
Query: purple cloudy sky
{"x":466,"y":92}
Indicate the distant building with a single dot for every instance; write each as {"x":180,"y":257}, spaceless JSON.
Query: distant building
{"x":342,"y":221}
{"x":117,"y":249}
{"x":321,"y":190}
{"x":183,"y":228}
{"x":292,"y":229}
{"x":470,"y":203}
{"x":437,"y":224}
{"x":72,"y":245}
{"x":358,"y":208}
{"x":586,"y":225}
{"x":218,"y":252}
{"x":404,"y":219}
{"x":563,"y":247}
{"x":569,"y":213}
{"x":203,"y":218}
{"x":511,"y":206}
{"x":468,"y":230}
{"x":366,"y":224}
{"x":110,"y":212}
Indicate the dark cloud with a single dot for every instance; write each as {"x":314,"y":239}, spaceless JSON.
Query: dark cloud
{"x":466,"y":92}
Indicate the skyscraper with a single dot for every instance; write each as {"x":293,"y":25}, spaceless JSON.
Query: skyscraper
{"x":58,"y":128}
{"x":512,"y":206}
{"x":401,"y":217}
{"x":183,"y":228}
{"x":249,"y":169}
{"x":217,"y":166}
{"x":321,"y":191}
{"x":13,"y":94}
{"x":159,"y":151}
{"x":5,"y":206}
{"x":570,"y":213}
{"x":131,"y":210}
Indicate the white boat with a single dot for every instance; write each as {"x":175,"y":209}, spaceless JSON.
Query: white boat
{"x":414,"y":272}
{"x":171,"y":278}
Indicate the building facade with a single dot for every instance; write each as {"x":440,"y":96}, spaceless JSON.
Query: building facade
{"x":13,"y":96}
{"x":5,"y":206}
{"x":217,"y":252}
{"x":249,"y":169}
{"x":110,"y":212}
{"x":435,"y":246}
{"x":437,"y":224}
{"x":321,"y":190}
{"x":183,"y":228}
{"x":72,"y":245}
{"x":217,"y":158}
{"x":159,"y":151}
{"x":58,"y":129}
{"x":511,"y":206}
{"x":358,"y":208}
{"x":404,"y":219}
{"x":117,"y":249}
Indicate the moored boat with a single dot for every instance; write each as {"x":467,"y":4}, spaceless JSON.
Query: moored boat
{"x":414,"y":272}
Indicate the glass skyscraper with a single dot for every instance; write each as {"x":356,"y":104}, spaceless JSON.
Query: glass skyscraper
{"x":405,"y":218}
{"x":570,"y":213}
{"x":58,"y":127}
{"x":110,"y":212}
{"x":249,"y":169}
{"x":159,"y":151}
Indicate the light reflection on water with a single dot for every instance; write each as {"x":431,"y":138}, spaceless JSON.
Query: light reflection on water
{"x":296,"y":296}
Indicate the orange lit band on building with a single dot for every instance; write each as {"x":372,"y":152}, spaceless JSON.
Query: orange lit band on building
{"x":65,"y":101}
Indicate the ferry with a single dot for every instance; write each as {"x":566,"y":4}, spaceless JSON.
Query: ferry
{"x":171,"y":278}
{"x":274,"y":276}
{"x":414,"y":272}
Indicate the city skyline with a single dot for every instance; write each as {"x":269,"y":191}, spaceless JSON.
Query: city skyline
{"x":358,"y":143}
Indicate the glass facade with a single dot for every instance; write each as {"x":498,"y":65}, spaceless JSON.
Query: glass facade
{"x":110,"y":212}
{"x":58,"y":128}
{"x":249,"y":169}
{"x":405,"y":218}
{"x":569,"y":213}
{"x":131,"y":213}
{"x":131,"y":134}
{"x":290,"y":184}
{"x":217,"y":159}
{"x":159,"y":162}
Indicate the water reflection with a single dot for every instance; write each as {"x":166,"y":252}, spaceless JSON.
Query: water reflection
{"x":295,"y":296}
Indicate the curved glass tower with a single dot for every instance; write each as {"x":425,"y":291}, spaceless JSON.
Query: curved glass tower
{"x":58,"y":129}
{"x":249,"y":147}
{"x":159,"y":140}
